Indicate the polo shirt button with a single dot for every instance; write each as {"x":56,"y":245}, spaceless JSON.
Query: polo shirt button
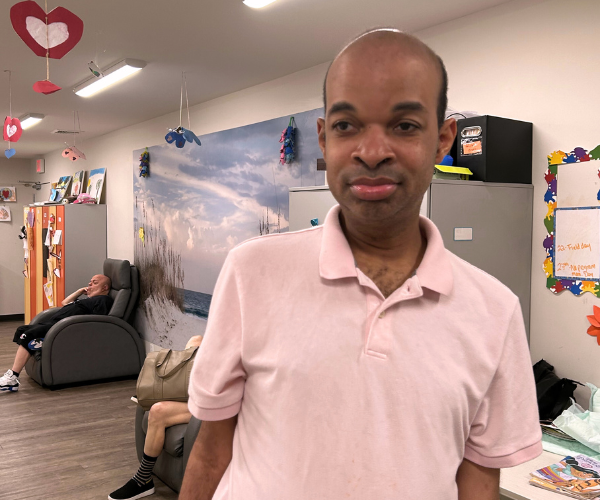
{"x":382,"y":315}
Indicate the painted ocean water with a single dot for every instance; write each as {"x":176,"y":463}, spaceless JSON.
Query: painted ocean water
{"x":196,"y":303}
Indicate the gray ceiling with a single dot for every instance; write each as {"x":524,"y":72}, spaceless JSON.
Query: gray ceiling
{"x":222,"y":45}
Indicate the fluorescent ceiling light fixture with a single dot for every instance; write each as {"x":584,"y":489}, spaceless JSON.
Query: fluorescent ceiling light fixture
{"x":30,"y":119}
{"x":112,"y":75}
{"x":257,"y":4}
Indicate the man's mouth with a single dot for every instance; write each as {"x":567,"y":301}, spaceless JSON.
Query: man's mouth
{"x":373,"y":189}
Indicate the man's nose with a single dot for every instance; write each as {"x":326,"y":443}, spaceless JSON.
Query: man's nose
{"x":374,"y":147}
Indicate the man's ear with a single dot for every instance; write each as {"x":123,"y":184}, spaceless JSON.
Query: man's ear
{"x":446,"y":136}
{"x":321,"y":135}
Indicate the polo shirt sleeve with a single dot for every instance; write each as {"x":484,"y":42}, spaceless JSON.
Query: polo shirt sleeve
{"x":506,"y":431}
{"x":217,"y":379}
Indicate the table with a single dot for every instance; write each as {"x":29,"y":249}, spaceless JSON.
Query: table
{"x":514,"y":481}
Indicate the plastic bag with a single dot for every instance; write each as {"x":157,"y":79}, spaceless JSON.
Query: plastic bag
{"x":580,"y":424}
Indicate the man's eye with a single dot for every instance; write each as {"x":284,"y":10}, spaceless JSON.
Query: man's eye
{"x":406,"y":126}
{"x":342,"y":126}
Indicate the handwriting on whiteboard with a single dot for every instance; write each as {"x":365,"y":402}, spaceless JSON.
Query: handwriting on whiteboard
{"x":574,"y":246}
{"x":577,"y":270}
{"x":577,"y":243}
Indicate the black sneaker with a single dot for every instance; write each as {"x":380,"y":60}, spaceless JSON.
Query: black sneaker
{"x":132,"y":490}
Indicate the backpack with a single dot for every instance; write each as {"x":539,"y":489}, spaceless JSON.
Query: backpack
{"x":553,"y":394}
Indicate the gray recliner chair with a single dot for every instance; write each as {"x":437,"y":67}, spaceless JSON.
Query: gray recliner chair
{"x":179,"y":440}
{"x":93,"y":347}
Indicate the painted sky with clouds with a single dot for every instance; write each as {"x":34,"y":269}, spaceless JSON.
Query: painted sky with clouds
{"x":208,"y":199}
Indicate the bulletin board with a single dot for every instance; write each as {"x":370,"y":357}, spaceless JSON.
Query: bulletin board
{"x":572,"y":221}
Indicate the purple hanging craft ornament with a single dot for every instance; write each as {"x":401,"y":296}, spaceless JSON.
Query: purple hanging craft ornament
{"x":288,"y":143}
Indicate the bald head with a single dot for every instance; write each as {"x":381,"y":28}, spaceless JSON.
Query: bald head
{"x":381,"y":43}
{"x":98,"y":285}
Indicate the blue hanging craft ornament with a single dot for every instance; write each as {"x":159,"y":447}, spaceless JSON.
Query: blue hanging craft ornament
{"x":145,"y":163}
{"x":180,"y":135}
{"x":288,"y":143}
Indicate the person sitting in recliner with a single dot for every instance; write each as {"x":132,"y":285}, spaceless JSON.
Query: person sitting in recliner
{"x":29,"y":337}
{"x":161,"y":415}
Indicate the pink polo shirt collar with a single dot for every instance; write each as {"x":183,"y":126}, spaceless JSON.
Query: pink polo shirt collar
{"x":336,"y":260}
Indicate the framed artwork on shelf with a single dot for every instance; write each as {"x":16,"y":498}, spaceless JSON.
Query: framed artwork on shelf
{"x":62,"y":187}
{"x":95,"y":183}
{"x":77,"y":184}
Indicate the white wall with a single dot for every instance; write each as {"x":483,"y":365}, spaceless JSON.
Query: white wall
{"x":291,"y":94}
{"x":531,"y":60}
{"x":12,"y":295}
{"x":536,"y":61}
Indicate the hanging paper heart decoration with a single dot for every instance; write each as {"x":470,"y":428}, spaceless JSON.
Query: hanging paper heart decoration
{"x":62,"y":33}
{"x":12,"y":129}
{"x":72,"y":153}
{"x":9,"y":152}
{"x":45,"y":87}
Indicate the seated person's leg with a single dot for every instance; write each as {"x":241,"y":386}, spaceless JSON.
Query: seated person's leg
{"x":24,"y":334}
{"x":162,"y":415}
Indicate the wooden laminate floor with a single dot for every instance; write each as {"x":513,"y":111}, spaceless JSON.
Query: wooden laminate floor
{"x":70,"y":444}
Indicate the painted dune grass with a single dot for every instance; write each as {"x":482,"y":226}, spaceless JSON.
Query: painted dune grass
{"x":200,"y":202}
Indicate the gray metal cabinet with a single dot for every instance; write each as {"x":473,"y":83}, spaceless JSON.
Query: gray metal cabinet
{"x":486,"y":224}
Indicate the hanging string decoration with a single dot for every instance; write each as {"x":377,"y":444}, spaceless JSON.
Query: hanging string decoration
{"x":288,"y":143}
{"x":180,"y":134}
{"x":12,"y":126}
{"x":145,"y":163}
{"x":48,"y":34}
{"x":72,"y":152}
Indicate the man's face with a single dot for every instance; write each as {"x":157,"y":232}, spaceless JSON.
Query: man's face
{"x":380,"y":138}
{"x":96,"y":286}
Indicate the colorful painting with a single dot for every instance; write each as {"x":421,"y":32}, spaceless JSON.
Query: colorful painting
{"x":95,"y":183}
{"x":201,"y":202}
{"x":77,"y":185}
{"x":61,"y":187}
{"x":8,"y":193}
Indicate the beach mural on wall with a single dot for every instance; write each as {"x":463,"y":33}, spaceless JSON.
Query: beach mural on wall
{"x":197,"y":204}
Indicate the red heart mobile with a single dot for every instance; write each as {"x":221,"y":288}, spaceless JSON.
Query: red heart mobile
{"x":12,"y":129}
{"x":61,"y":33}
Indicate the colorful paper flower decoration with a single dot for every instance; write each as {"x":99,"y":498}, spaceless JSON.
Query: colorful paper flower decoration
{"x":288,"y":143}
{"x":594,"y":319}
{"x":145,"y":163}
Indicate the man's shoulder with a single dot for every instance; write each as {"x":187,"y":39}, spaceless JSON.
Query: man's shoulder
{"x":101,"y":299}
{"x":280,"y":246}
{"x":474,"y":282}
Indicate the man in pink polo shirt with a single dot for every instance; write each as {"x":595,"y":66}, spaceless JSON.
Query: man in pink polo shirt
{"x":361,"y":359}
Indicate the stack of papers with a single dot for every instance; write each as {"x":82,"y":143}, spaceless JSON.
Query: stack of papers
{"x":576,"y":477}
